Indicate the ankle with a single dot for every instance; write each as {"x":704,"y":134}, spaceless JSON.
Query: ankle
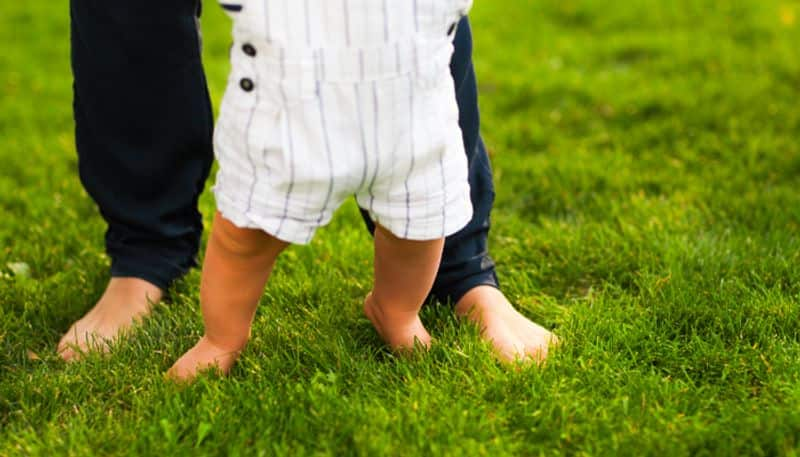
{"x":232,"y":345}
{"x":388,"y":312}
{"x":133,"y":291}
{"x":482,"y":300}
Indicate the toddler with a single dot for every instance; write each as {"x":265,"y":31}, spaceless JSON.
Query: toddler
{"x":328,"y":99}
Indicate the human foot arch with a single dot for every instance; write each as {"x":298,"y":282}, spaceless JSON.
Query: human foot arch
{"x":125,"y":302}
{"x":513,"y":337}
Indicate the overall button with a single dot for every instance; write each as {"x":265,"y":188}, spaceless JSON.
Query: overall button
{"x":249,"y":49}
{"x":246,"y":84}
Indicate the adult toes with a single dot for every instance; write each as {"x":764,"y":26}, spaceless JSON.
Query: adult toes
{"x":536,"y":354}
{"x":68,"y":353}
{"x":508,"y":349}
{"x":65,"y":345}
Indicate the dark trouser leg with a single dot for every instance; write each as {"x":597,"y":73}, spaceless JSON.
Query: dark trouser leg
{"x":466,"y":262}
{"x":143,"y":129}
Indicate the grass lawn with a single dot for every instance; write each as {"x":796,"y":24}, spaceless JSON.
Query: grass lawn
{"x":647,"y":169}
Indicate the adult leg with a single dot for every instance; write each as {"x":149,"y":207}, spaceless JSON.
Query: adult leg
{"x":467,"y":274}
{"x":143,"y":129}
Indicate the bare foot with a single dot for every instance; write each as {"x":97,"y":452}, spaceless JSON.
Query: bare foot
{"x":402,"y":331}
{"x":203,"y":356}
{"x":513,"y":336}
{"x":125,"y":301}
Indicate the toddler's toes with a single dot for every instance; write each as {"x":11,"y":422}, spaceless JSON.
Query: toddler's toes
{"x":202,"y":357}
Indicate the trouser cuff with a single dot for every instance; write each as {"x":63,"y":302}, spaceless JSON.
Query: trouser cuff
{"x":155,"y":270}
{"x":452,"y":293}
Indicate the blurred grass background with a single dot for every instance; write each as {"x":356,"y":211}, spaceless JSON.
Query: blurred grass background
{"x":647,"y":171}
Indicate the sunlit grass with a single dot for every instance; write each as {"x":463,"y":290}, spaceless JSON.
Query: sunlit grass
{"x":647,"y":171}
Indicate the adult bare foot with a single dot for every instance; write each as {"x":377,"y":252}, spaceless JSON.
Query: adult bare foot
{"x":204,"y":355}
{"x":401,"y":330}
{"x":125,"y":301}
{"x":513,"y":336}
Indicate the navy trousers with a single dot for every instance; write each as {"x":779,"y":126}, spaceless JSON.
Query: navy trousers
{"x":143,"y":131}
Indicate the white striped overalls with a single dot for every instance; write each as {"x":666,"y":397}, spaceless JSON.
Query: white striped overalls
{"x":332,"y":98}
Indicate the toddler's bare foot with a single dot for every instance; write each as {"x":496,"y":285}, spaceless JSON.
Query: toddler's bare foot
{"x":125,"y":301}
{"x":203,"y":356}
{"x":513,"y":336}
{"x":399,"y":329}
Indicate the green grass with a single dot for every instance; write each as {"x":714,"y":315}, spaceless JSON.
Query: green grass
{"x":648,"y":209}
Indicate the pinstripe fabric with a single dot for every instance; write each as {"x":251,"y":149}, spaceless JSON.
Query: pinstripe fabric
{"x":364,"y":155}
{"x":411,"y":153}
{"x":290,"y":187}
{"x":267,"y":16}
{"x":343,"y":98}
{"x":385,"y":14}
{"x":376,"y":147}
{"x":330,"y":171}
{"x":307,"y":24}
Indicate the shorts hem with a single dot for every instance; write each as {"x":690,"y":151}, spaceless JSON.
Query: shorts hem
{"x":417,"y":229}
{"x":282,"y":228}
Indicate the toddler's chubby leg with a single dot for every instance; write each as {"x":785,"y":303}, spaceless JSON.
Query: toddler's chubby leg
{"x":404,"y":274}
{"x":237,"y":265}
